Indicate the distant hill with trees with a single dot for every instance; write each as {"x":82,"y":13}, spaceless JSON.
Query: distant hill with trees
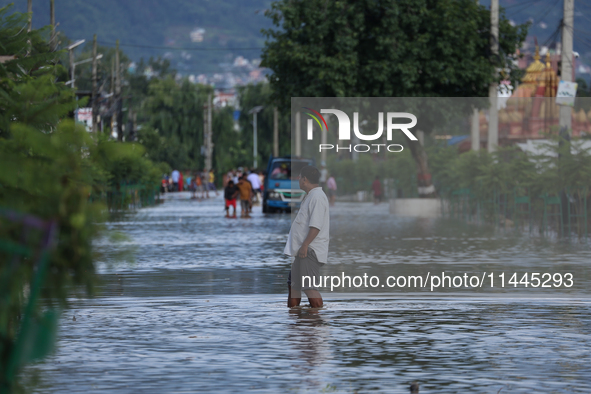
{"x":156,"y":27}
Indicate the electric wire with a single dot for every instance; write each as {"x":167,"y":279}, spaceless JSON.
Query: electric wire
{"x":538,"y":19}
{"x":112,"y":44}
{"x":583,"y":15}
{"x":525,"y":6}
{"x":554,"y":35}
{"x":520,"y":4}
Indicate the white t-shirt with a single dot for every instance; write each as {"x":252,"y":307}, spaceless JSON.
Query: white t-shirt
{"x":254,"y":180}
{"x":175,"y":176}
{"x":313,"y":213}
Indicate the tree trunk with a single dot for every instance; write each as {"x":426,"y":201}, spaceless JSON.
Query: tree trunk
{"x":425,"y":186}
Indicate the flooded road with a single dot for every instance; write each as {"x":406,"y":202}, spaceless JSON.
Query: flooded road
{"x":202,"y":309}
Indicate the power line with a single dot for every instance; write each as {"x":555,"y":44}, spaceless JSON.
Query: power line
{"x":180,"y":49}
{"x":583,"y":42}
{"x":524,"y":6}
{"x":536,"y":19}
{"x":520,"y":4}
{"x":582,"y":14}
{"x":554,"y":35}
{"x":581,"y":39}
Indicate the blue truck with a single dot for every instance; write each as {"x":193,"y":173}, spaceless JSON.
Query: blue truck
{"x":282,"y":190}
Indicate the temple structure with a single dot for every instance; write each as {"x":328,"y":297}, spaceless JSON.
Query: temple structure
{"x":531,"y":112}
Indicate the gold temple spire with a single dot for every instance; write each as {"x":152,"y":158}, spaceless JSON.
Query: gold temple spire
{"x":533,"y":73}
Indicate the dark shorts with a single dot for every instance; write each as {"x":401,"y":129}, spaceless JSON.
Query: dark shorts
{"x":331,"y":193}
{"x":245,"y":205}
{"x":308,"y":266}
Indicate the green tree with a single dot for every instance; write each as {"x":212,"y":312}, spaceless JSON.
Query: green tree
{"x":386,"y":48}
{"x":49,"y":168}
{"x":28,"y":92}
{"x":172,"y":122}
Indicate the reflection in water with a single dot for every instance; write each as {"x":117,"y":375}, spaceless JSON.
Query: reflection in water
{"x":203,"y":309}
{"x":309,"y":336}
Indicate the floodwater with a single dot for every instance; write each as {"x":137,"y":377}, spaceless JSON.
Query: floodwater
{"x":203,"y":309}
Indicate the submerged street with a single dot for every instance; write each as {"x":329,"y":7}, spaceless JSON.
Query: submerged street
{"x":202,"y":307}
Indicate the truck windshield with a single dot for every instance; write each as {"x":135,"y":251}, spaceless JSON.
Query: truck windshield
{"x":283,"y":169}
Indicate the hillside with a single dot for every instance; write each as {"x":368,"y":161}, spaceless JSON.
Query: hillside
{"x":155,"y":27}
{"x":163,"y":25}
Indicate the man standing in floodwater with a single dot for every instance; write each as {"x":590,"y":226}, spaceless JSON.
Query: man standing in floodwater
{"x":308,"y":240}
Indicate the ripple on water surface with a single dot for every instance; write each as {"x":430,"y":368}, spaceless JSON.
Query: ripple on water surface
{"x":229,"y":344}
{"x":202,"y":309}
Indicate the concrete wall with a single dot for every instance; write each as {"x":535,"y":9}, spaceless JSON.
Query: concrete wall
{"x":416,"y":207}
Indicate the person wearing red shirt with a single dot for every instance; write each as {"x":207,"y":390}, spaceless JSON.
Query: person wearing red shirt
{"x":376,"y":186}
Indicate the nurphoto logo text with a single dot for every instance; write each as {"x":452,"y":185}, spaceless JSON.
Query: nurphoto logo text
{"x":392,"y":119}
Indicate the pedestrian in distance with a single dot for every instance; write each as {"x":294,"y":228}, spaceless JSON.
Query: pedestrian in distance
{"x":307,"y":241}
{"x":164,"y":184}
{"x":245,"y":190}
{"x":230,"y":194}
{"x":188,"y":181}
{"x":331,"y":185}
{"x":193,"y":186}
{"x":255,"y":181}
{"x":262,"y":181}
{"x":252,"y":192}
{"x":376,"y":186}
{"x":175,"y":180}
{"x":212,"y":182}
{"x":205,"y":183}
{"x":199,"y":185}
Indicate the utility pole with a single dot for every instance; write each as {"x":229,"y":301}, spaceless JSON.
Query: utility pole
{"x":566,"y":65}
{"x":209,"y":144}
{"x":118,"y":103}
{"x":298,"y":135}
{"x":112,"y":94}
{"x":493,"y":117}
{"x":30,"y":11}
{"x":205,"y":131}
{"x":112,"y":86}
{"x":275,"y":132}
{"x":323,"y":138}
{"x":254,"y":141}
{"x":566,"y":74}
{"x":475,"y":130}
{"x":254,"y":113}
{"x":52,"y":40}
{"x":475,"y":124}
{"x":94,"y":88}
{"x":72,"y":69}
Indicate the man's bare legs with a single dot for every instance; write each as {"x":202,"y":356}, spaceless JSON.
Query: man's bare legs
{"x":314,"y":298}
{"x":291,"y":302}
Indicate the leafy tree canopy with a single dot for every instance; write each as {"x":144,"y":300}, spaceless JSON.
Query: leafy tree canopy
{"x":385,"y":48}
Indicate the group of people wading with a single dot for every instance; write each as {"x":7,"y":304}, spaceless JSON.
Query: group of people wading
{"x":246,"y":186}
